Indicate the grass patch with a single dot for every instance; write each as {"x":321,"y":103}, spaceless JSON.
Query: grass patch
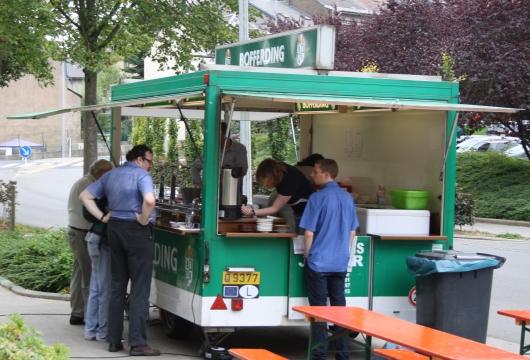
{"x":500,"y":185}
{"x":510,"y":236}
{"x":36,"y":259}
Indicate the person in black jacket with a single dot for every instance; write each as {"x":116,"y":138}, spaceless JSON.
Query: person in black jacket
{"x":292,"y":187}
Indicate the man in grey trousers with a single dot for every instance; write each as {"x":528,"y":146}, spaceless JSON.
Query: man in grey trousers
{"x":78,"y":227}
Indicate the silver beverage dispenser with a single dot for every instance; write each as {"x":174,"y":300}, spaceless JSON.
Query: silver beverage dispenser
{"x":231,"y":196}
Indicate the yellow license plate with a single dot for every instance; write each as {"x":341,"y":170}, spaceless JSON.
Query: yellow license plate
{"x":241,"y":278}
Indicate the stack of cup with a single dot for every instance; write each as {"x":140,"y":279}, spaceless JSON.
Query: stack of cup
{"x":264,"y":224}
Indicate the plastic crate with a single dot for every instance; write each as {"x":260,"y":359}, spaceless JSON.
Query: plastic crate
{"x":410,"y":199}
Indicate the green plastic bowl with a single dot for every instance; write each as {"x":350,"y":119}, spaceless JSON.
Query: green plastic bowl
{"x":409,"y":199}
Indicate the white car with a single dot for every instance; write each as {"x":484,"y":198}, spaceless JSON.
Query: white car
{"x":516,"y":152}
{"x":487,"y":143}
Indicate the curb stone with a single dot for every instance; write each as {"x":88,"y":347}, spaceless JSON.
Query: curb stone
{"x":31,"y":293}
{"x":503,"y":222}
{"x":479,"y":237}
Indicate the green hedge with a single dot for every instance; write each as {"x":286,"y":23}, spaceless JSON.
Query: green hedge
{"x":500,"y":185}
{"x":36,"y":259}
{"x":20,"y":342}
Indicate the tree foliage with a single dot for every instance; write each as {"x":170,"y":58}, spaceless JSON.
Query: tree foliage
{"x":172,"y":146}
{"x":485,"y":42}
{"x":24,"y":48}
{"x":92,"y":33}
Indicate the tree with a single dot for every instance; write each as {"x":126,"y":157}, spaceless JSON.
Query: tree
{"x":134,"y":67}
{"x":91,"y":32}
{"x":172,"y":147}
{"x":24,"y":48}
{"x":488,"y":42}
{"x":279,"y":138}
{"x":139,"y":130}
{"x":493,"y":51}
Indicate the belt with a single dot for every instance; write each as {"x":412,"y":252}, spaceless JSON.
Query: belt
{"x":78,"y":229}
{"x":123,"y":220}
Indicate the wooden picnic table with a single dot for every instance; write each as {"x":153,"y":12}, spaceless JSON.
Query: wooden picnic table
{"x":434,"y":343}
{"x":522,"y":317}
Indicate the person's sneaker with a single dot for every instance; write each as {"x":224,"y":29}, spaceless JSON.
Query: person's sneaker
{"x":115,"y":347}
{"x":144,"y":351}
{"x":76,"y":320}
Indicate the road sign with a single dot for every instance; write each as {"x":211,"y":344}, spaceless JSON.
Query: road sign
{"x":25,"y":152}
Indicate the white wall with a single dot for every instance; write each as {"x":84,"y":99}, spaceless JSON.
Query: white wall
{"x":402,"y":149}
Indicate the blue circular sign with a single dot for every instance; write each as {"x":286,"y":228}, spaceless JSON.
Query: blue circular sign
{"x":25,"y":151}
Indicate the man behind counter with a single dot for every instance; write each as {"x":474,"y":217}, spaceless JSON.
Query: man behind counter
{"x":235,"y":156}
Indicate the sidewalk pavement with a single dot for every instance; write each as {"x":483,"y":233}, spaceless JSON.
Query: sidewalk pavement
{"x":51,"y":318}
{"x":498,"y":227}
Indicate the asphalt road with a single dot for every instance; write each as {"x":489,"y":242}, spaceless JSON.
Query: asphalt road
{"x":43,"y":187}
{"x":510,"y":288}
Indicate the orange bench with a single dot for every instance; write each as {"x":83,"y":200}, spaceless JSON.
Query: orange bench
{"x":255,"y":354}
{"x":434,"y":343}
{"x":400,"y":354}
{"x":522,"y":317}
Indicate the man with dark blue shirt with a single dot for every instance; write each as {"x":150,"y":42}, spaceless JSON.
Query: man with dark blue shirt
{"x":329,"y":221}
{"x":131,"y":201}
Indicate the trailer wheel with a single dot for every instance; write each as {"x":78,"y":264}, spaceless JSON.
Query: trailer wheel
{"x":174,"y":326}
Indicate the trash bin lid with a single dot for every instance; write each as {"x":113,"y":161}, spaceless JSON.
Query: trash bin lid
{"x":455,"y":255}
{"x":426,"y":263}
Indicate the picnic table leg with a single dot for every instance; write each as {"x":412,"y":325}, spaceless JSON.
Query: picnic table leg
{"x":368,"y":347}
{"x":523,"y":349}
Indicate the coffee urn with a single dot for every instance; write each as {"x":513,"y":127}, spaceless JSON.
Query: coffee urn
{"x":231,"y":196}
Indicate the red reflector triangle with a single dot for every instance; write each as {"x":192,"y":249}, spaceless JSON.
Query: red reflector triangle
{"x":218,"y":304}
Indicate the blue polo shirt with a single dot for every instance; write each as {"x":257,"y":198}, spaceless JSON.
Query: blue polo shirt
{"x":330,"y":215}
{"x":124,"y":187}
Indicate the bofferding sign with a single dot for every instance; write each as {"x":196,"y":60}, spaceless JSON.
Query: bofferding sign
{"x":309,"y":48}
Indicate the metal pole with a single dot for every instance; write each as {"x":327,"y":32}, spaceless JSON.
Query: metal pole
{"x":63,"y":105}
{"x":293,"y":134}
{"x":244,"y":123}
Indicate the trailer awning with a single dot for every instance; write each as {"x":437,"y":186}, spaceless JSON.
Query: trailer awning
{"x":395,"y":104}
{"x":104,"y":106}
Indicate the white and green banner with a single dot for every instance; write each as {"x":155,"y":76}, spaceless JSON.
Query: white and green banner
{"x":309,"y":48}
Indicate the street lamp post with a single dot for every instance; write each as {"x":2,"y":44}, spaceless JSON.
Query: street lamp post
{"x":244,"y":123}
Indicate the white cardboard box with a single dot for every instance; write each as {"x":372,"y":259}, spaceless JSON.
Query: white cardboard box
{"x":393,"y":221}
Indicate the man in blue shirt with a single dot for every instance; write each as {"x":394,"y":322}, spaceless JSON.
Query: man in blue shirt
{"x":329,"y":221}
{"x":131,"y":200}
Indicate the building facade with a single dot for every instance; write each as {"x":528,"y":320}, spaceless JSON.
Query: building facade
{"x":60,"y":134}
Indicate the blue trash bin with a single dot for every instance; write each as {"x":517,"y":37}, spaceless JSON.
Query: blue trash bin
{"x":453,"y":291}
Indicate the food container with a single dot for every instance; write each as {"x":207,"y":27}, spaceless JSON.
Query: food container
{"x":409,"y":199}
{"x":282,"y":228}
{"x":247,"y":228}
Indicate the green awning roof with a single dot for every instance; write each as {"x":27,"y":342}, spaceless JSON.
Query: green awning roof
{"x":104,"y":106}
{"x":400,"y":104}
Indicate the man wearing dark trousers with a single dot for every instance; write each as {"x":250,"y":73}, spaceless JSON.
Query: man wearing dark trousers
{"x":329,"y":221}
{"x":129,"y":191}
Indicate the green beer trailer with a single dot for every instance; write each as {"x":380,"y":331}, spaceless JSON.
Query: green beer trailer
{"x":397,"y":130}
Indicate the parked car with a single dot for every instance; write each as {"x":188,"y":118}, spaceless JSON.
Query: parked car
{"x":487,"y":143}
{"x":516,"y":152}
{"x":471,"y":140}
